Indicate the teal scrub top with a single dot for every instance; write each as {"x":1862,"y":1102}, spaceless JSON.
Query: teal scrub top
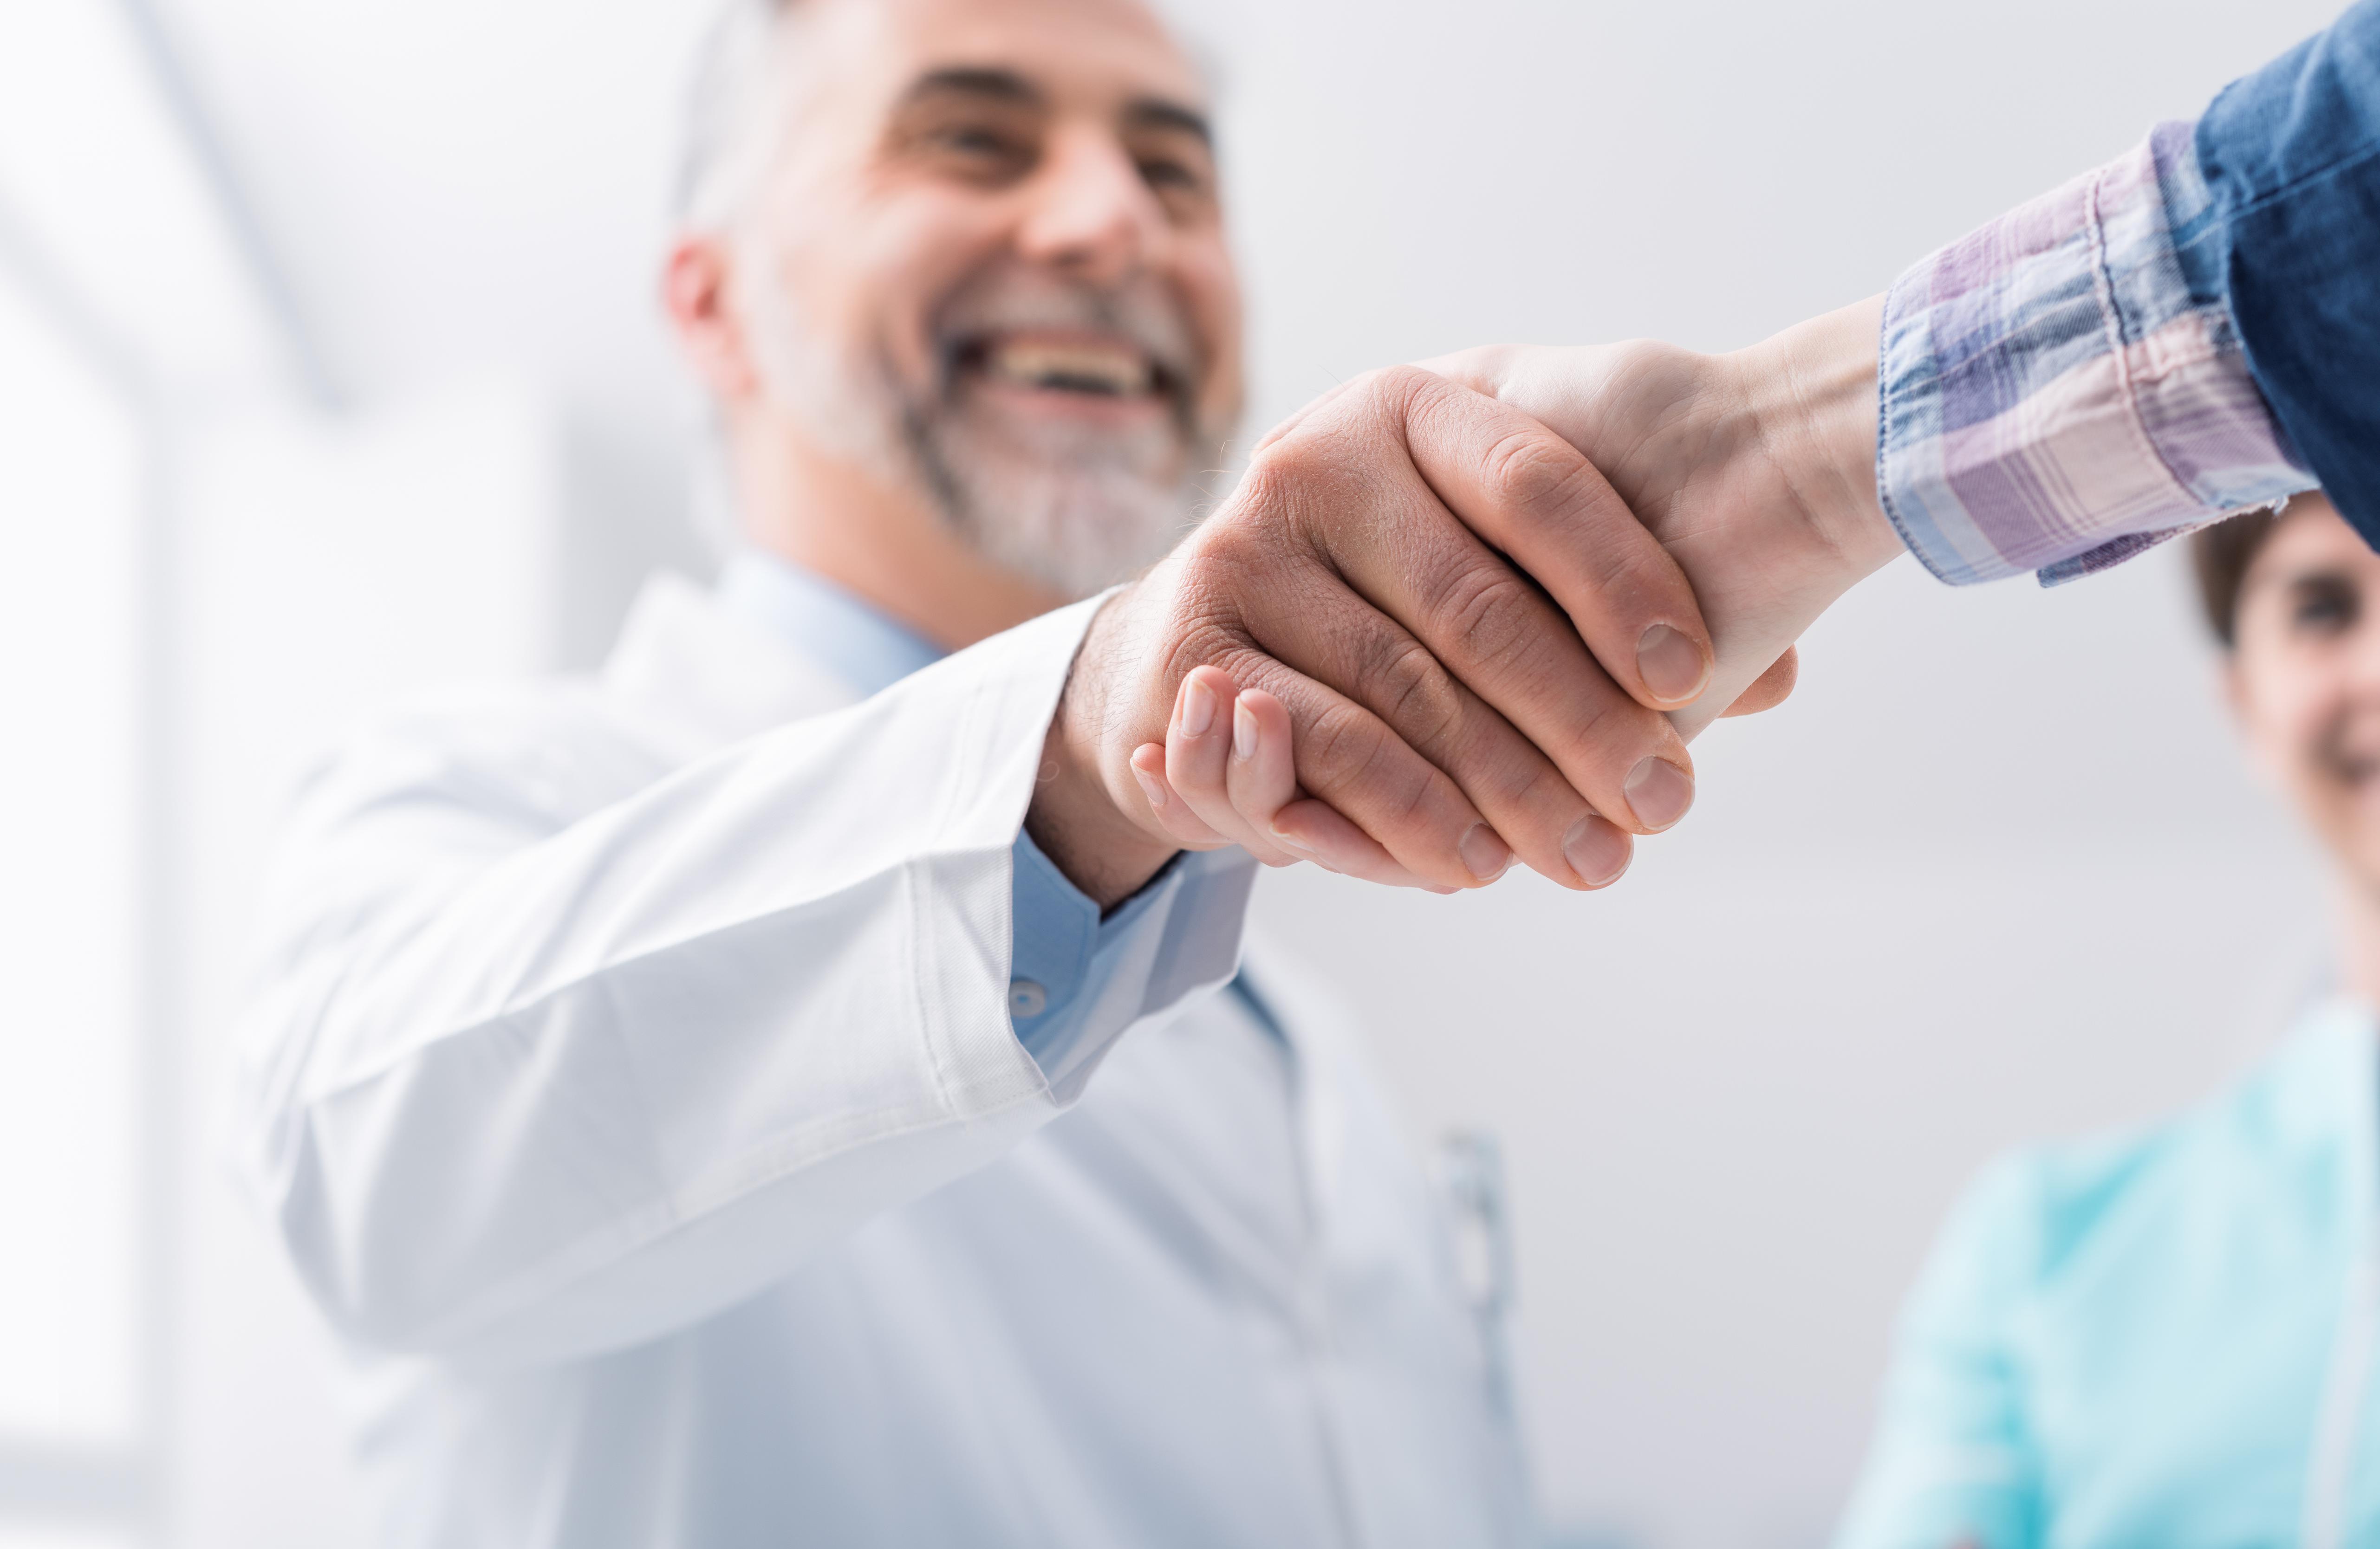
{"x":2164,"y":1338}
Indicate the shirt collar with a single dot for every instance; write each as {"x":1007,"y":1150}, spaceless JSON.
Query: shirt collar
{"x":852,"y":639}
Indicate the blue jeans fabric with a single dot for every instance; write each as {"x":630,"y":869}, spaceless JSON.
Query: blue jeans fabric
{"x":2291,"y":155}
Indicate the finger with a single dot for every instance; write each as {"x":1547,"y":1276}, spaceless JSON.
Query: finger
{"x":1261,"y":777}
{"x":1260,"y":784}
{"x":1771,"y":688}
{"x":1335,"y":844}
{"x":1596,"y":398}
{"x":1200,"y":747}
{"x":1304,"y":829}
{"x":1618,"y":758}
{"x":1353,"y":761}
{"x":1173,"y":814}
{"x":1441,"y":622}
{"x":1263,"y":793}
{"x":1533,"y":495}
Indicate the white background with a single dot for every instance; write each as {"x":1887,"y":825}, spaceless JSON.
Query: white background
{"x":1994,"y":876}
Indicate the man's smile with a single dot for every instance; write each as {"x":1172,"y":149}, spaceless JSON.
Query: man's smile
{"x":1103,"y":376}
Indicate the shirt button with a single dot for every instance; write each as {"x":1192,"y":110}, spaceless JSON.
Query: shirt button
{"x":1026,"y":999}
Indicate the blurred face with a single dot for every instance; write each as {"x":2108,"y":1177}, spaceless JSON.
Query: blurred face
{"x":989,"y":262}
{"x":2305,"y":677}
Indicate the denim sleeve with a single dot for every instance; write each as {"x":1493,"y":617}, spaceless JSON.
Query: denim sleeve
{"x":2290,"y":156}
{"x":1078,"y":981}
{"x":2063,"y":388}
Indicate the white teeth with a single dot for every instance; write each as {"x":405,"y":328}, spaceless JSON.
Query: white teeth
{"x":1123,"y":372}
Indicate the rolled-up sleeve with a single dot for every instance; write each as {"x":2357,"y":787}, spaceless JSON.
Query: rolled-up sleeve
{"x":2065,"y":387}
{"x":2290,"y":158}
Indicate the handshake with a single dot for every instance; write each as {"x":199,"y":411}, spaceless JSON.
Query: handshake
{"x":1472,"y":612}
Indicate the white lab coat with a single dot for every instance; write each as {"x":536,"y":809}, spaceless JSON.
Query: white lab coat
{"x":631,"y":1080}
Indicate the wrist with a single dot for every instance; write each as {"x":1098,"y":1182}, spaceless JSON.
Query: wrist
{"x":1078,"y":817}
{"x":1814,"y":389}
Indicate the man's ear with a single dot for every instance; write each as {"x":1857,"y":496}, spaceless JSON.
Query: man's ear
{"x":696,"y":294}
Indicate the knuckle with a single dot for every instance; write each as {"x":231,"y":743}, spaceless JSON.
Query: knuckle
{"x":1527,"y":467}
{"x":1279,"y":474}
{"x":1491,"y":614}
{"x":1547,"y":481}
{"x":1632,"y":587}
{"x":1610,"y":737}
{"x":1407,"y":688}
{"x":1534,"y":785}
{"x":1284,"y":487}
{"x":1404,"y":384}
{"x":1341,"y":747}
{"x":1357,"y":760}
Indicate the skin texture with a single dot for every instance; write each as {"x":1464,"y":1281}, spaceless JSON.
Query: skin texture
{"x":2303,"y":681}
{"x":1432,"y":688}
{"x":889,"y":199}
{"x":1754,"y":470}
{"x":1443,"y":714}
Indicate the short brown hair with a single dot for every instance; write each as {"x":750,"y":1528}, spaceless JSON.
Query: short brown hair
{"x":2221,"y":555}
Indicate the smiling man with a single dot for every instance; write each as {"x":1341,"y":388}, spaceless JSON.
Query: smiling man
{"x":1023,"y":396}
{"x":792,"y":1089}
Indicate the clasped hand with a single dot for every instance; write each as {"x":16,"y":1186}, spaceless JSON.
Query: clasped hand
{"x":1465,"y":614}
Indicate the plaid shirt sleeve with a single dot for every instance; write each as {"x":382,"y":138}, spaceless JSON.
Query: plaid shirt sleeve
{"x":2064,"y":388}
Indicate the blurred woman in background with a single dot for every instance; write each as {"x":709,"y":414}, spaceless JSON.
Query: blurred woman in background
{"x":2167,"y":1338}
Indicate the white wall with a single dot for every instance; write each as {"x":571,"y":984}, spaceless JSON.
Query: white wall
{"x":1994,"y":875}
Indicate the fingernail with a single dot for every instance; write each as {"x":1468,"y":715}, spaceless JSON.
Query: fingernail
{"x":1150,"y":788}
{"x":1598,"y":849}
{"x":1198,"y":707}
{"x":1673,"y":667}
{"x":1485,"y":853}
{"x":1659,"y":793}
{"x":1295,"y":846}
{"x":1244,"y":732}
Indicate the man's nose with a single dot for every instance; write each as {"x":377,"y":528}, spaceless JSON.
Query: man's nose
{"x":1092,"y":214}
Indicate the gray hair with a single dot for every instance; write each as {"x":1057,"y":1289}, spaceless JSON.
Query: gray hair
{"x":734,"y":99}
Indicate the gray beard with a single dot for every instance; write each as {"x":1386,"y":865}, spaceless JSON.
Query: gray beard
{"x":1077,"y":518}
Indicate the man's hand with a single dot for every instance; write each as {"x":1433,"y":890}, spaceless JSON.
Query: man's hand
{"x":1420,"y":708}
{"x":1754,"y":470}
{"x":1757,"y":470}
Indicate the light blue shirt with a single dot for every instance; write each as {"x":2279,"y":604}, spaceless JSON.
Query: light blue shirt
{"x":1063,"y":954}
{"x":2162,"y":1339}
